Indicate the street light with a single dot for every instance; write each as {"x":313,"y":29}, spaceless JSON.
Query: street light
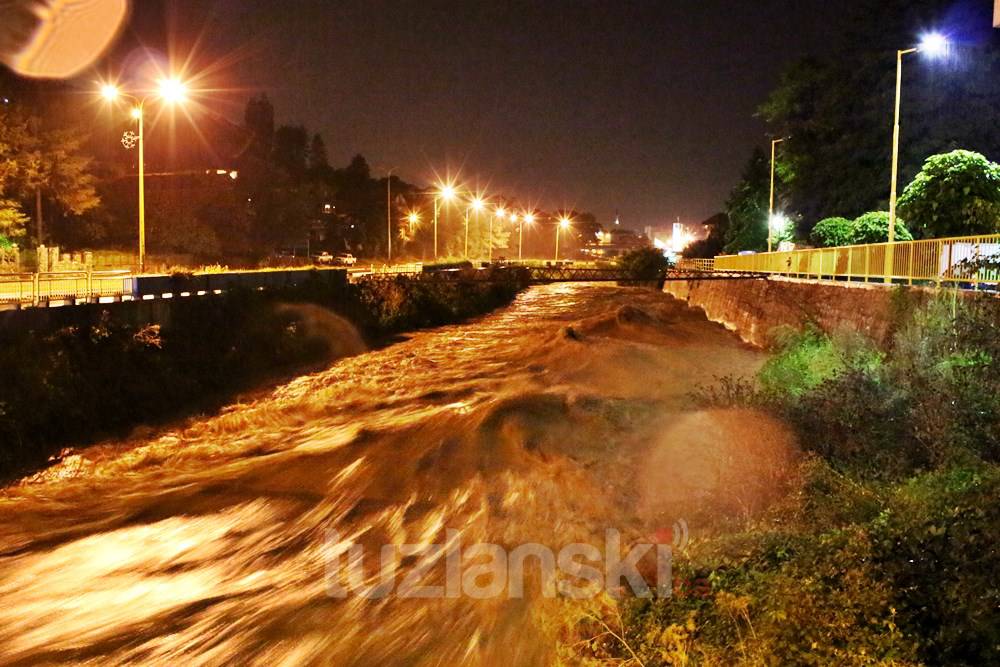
{"x":527,"y":218}
{"x":172,"y":91}
{"x":934,"y":45}
{"x":446,"y":192}
{"x":564,"y":223}
{"x":477,"y":205}
{"x":388,"y":215}
{"x":770,"y":215}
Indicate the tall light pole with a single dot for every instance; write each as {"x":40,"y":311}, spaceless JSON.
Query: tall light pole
{"x":770,"y":214}
{"x":503,"y":216}
{"x":500,"y":213}
{"x":388,"y":215}
{"x":444,"y":193}
{"x":528,"y":218}
{"x":476,"y":205}
{"x":171,"y":91}
{"x":934,"y":45}
{"x":564,"y":223}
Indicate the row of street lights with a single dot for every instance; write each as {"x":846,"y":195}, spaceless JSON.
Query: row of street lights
{"x":933,"y":45}
{"x":172,"y":91}
{"x":477,"y":204}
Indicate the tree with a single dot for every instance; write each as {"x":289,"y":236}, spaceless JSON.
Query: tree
{"x":956,"y":194}
{"x":747,"y":207}
{"x":317,"y":155}
{"x":38,"y":164}
{"x":832,"y":232}
{"x":837,"y":109}
{"x":644,"y":263}
{"x":291,"y":150}
{"x":874,"y":228}
{"x":259,"y":123}
{"x":713,"y":244}
{"x":12,"y":223}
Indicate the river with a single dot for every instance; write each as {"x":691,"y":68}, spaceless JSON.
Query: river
{"x":208,"y":542}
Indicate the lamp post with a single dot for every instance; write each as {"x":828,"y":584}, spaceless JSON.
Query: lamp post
{"x":502,"y":214}
{"x":444,"y":193}
{"x":171,"y":91}
{"x":770,"y":214}
{"x":528,"y":218}
{"x":564,"y":223}
{"x":388,"y":215}
{"x":934,"y":45}
{"x":477,"y":205}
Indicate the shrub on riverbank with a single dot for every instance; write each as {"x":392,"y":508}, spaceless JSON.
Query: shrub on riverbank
{"x":886,"y":551}
{"x":66,"y":387}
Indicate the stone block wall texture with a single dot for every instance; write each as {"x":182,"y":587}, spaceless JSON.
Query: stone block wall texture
{"x":754,"y":308}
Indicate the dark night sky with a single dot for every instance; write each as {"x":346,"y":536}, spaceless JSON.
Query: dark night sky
{"x":646,"y":107}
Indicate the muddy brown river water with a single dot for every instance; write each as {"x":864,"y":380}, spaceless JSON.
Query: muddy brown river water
{"x":549,"y":421}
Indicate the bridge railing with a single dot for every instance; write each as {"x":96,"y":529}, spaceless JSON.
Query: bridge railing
{"x":971,"y":260}
{"x":696,"y":264}
{"x":33,"y":288}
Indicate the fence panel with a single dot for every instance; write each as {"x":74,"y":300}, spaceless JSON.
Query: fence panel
{"x":969,"y":260}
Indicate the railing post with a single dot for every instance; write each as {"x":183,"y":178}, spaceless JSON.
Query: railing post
{"x":868,"y":262}
{"x":34,"y":289}
{"x":975,"y":279}
{"x":912,"y":246}
{"x":951,"y":258}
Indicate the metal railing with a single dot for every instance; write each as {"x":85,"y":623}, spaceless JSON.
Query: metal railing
{"x":968,"y":260}
{"x":696,"y":264}
{"x":65,"y":286}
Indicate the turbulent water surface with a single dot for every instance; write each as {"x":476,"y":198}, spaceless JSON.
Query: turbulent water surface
{"x":548,"y":421}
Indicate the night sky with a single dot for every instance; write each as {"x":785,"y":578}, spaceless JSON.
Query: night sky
{"x":643,"y":107}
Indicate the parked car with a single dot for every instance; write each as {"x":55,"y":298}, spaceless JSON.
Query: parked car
{"x":345,"y":259}
{"x":324,"y":258}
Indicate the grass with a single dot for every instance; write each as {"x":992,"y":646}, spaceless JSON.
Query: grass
{"x":885,"y":551}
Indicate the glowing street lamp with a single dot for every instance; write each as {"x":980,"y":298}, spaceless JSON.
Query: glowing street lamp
{"x":526,"y":219}
{"x":170,"y":91}
{"x":778,"y":223}
{"x":564,"y":223}
{"x":933,"y":45}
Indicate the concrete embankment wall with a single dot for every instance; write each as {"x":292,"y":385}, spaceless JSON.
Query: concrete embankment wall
{"x":754,"y":308}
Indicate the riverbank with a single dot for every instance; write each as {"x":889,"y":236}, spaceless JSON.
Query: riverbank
{"x":882,"y":548}
{"x":114,"y":370}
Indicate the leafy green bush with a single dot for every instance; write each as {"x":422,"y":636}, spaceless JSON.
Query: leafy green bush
{"x":831,"y":232}
{"x":644,"y":263}
{"x":884,"y":553}
{"x":956,"y":194}
{"x":13,"y":223}
{"x":803,"y":361}
{"x":874,"y":228}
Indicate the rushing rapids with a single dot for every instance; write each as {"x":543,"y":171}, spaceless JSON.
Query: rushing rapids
{"x":549,"y":421}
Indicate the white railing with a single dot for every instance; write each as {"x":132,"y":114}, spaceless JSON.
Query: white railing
{"x":23,"y":289}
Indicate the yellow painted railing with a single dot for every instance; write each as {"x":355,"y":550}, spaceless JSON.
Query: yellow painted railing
{"x":937,"y":261}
